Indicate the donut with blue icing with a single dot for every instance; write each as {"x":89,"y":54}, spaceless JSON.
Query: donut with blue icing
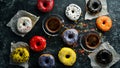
{"x":70,"y":36}
{"x":46,"y":61}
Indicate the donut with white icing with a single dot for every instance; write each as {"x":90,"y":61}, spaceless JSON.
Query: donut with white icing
{"x":73,"y":12}
{"x":24,"y":25}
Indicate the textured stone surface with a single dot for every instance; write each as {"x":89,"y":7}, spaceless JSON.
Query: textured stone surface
{"x":9,"y":7}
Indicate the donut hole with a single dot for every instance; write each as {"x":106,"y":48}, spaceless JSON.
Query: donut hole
{"x":47,"y":61}
{"x":104,"y":55}
{"x":19,"y":50}
{"x":45,"y":4}
{"x":104,"y":22}
{"x":67,"y":56}
{"x":24,"y":24}
{"x":18,"y":60}
{"x":95,"y":5}
{"x":73,"y":11}
{"x":70,"y":36}
{"x":21,"y":54}
{"x":38,"y":43}
{"x":92,"y":40}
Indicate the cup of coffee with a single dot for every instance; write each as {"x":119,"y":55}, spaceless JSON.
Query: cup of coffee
{"x":53,"y":24}
{"x":91,"y":40}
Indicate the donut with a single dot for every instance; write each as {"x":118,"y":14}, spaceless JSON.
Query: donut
{"x":73,"y":12}
{"x":104,"y":57}
{"x":90,"y":40}
{"x":45,"y":5}
{"x":67,"y":56}
{"x":20,"y":55}
{"x":104,"y":23}
{"x":37,"y":43}
{"x":70,"y":36}
{"x":94,"y":6}
{"x":24,"y":24}
{"x":46,"y":61}
{"x":53,"y":24}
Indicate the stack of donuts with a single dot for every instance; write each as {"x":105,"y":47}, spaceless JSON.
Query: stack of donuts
{"x":54,"y":26}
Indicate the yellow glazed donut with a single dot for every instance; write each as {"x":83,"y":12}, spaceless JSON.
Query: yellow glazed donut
{"x":20,"y":55}
{"x":67,"y":56}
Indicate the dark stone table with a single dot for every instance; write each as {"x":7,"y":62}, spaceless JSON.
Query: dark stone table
{"x":8,"y":8}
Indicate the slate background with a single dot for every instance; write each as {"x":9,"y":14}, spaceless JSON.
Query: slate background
{"x":8,"y":8}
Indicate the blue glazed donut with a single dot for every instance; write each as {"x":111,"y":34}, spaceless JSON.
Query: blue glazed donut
{"x":70,"y":36}
{"x":46,"y":61}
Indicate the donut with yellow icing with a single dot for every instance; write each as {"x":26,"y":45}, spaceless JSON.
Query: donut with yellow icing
{"x":20,"y":55}
{"x":67,"y":56}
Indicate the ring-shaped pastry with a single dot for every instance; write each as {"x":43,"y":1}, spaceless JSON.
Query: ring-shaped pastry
{"x":70,"y":36}
{"x":24,"y":24}
{"x":104,"y":57}
{"x":104,"y":23}
{"x":94,"y":6}
{"x":67,"y":56}
{"x":73,"y":12}
{"x":45,"y":5}
{"x":20,"y":55}
{"x":38,"y":43}
{"x":46,"y":61}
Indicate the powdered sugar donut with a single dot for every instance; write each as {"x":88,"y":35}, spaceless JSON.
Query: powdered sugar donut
{"x":73,"y":12}
{"x":24,"y":24}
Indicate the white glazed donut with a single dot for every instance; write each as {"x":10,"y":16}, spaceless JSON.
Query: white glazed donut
{"x":73,"y":12}
{"x":24,"y":24}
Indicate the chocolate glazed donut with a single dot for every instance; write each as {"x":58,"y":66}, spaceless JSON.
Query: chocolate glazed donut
{"x":94,"y":6}
{"x":104,"y":57}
